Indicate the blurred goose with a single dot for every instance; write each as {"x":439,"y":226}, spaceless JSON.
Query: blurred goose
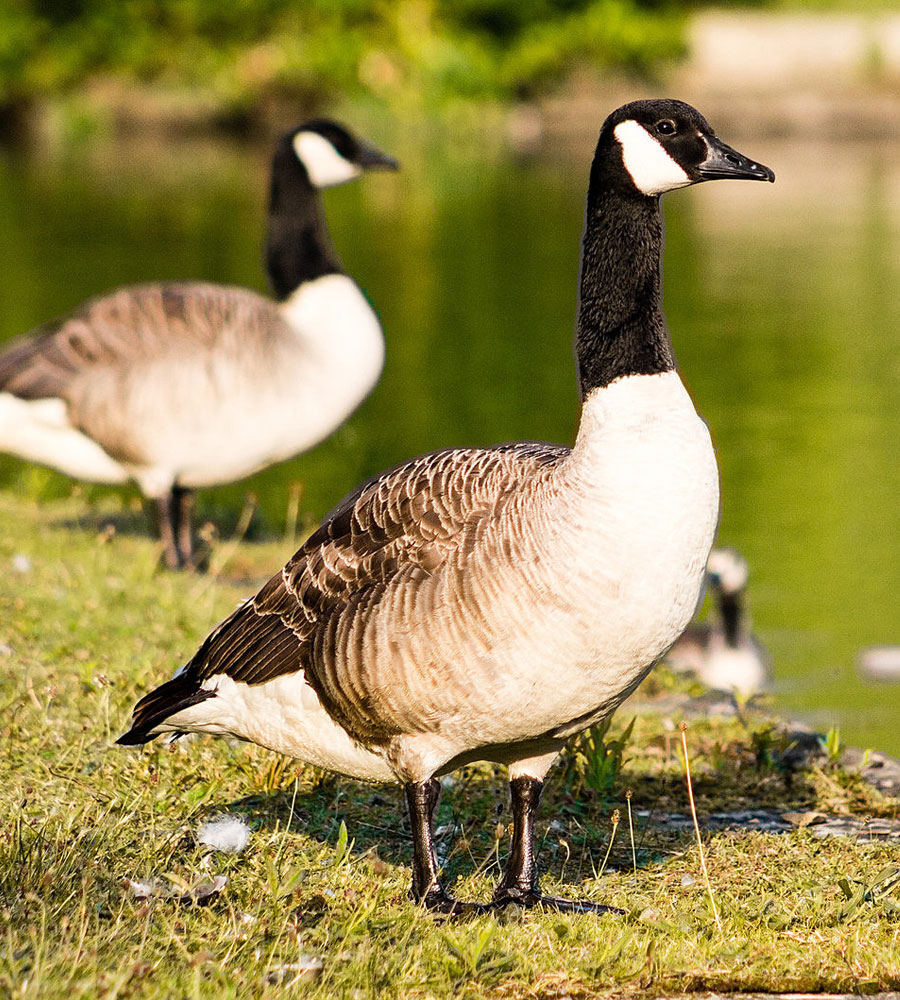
{"x":722,"y":652}
{"x":178,"y":385}
{"x":879,"y":663}
{"x":490,"y":603}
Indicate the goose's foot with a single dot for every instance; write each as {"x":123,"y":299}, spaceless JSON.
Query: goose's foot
{"x":533,"y":898}
{"x":421,"y":800}
{"x":440,"y":901}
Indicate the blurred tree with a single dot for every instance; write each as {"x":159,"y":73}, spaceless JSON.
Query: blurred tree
{"x":245,"y":50}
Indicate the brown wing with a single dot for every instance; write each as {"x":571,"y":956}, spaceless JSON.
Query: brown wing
{"x":402,"y":524}
{"x":125,"y":328}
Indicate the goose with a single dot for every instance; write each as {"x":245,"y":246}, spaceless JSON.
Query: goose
{"x":179,"y":385}
{"x":879,"y":663}
{"x":723,"y":653}
{"x":489,"y":603}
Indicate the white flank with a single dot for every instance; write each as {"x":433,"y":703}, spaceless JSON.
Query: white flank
{"x":284,"y":715}
{"x":40,"y":431}
{"x":324,"y":164}
{"x":650,"y":166}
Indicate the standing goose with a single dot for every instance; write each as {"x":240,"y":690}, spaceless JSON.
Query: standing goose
{"x":723,"y":652}
{"x":178,"y":385}
{"x":488,"y":604}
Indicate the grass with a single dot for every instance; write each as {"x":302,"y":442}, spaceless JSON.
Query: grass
{"x":87,"y":624}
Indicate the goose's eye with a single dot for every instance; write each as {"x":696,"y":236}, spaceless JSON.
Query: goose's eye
{"x":666,"y":127}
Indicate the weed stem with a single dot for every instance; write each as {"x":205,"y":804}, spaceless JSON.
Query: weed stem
{"x":687,"y":772}
{"x":631,"y":832}
{"x":612,"y":837}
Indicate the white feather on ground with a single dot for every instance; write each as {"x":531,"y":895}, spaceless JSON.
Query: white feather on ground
{"x":229,"y":834}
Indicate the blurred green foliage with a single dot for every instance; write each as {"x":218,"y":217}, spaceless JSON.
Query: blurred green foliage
{"x":245,"y":50}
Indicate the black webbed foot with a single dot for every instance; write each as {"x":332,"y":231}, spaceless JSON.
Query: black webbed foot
{"x":440,"y":902}
{"x":528,"y":900}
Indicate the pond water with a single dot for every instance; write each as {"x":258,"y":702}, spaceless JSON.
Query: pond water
{"x":784,"y":302}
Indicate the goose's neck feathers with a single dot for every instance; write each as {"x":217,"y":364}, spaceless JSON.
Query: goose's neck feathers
{"x":732,"y":618}
{"x":620,"y":328}
{"x":298,"y":247}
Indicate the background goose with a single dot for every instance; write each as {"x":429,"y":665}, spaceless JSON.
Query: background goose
{"x":879,"y":663}
{"x":178,"y":385}
{"x":487,"y":604}
{"x":723,"y":652}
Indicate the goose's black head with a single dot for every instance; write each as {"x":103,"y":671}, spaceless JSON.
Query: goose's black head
{"x":650,"y":147}
{"x":330,"y":154}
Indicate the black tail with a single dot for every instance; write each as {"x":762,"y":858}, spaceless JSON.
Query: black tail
{"x":179,"y":693}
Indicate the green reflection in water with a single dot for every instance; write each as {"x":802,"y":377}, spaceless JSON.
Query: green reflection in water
{"x":784,"y":305}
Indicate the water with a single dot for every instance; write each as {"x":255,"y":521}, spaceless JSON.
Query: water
{"x":784,"y":303}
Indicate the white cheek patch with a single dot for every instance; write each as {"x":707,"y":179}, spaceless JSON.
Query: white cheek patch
{"x":324,"y":164}
{"x":650,"y":166}
{"x":730,"y":568}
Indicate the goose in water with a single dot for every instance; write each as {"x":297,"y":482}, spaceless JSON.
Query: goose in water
{"x":490,"y":603}
{"x":723,"y":653}
{"x":178,"y":385}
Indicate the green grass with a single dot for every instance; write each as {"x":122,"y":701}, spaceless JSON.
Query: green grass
{"x":88,"y":624}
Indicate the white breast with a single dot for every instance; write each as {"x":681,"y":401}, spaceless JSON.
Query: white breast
{"x":738,"y":669}
{"x":642,"y":515}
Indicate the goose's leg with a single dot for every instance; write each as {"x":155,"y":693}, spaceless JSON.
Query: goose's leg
{"x":421,"y":800}
{"x":184,"y":501}
{"x":519,"y":884}
{"x":167,"y":508}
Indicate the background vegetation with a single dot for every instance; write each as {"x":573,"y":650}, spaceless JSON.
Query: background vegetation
{"x":244,"y":54}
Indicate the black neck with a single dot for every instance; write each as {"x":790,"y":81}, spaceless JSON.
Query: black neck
{"x":620,"y":328}
{"x":298,"y":247}
{"x":730,"y":609}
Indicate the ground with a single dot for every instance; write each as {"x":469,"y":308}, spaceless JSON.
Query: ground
{"x":105,"y":891}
